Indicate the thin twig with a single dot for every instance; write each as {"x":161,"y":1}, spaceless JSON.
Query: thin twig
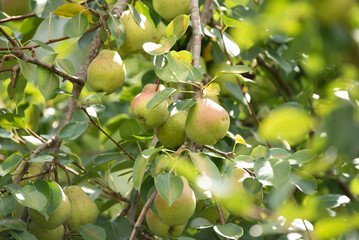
{"x":12,"y":18}
{"x":197,"y":33}
{"x":142,"y":215}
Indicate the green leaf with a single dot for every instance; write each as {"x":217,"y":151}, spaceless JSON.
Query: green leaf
{"x":42,"y":158}
{"x":97,"y":96}
{"x":236,"y":91}
{"x":141,"y":164}
{"x":76,"y":26}
{"x":279,"y":153}
{"x":28,"y":196}
{"x":302,"y":156}
{"x":43,"y":45}
{"x":12,"y":120}
{"x":231,"y":46}
{"x":10,"y":163}
{"x":117,"y":30}
{"x":236,"y":69}
{"x":27,"y":70}
{"x":66,"y":65}
{"x":205,"y":165}
{"x":229,"y":230}
{"x":92,"y":232}
{"x":129,"y":128}
{"x":137,"y":16}
{"x":307,"y":186}
{"x":53,"y":193}
{"x":107,"y":156}
{"x":25,"y":235}
{"x":7,"y":205}
{"x":160,"y":97}
{"x":260,"y":152}
{"x":18,"y":92}
{"x":231,"y":21}
{"x":96,"y":110}
{"x":119,"y":229}
{"x":279,"y":60}
{"x":48,"y":82}
{"x":200,"y":223}
{"x":273,"y":171}
{"x":13,"y":223}
{"x":182,"y":105}
{"x":44,"y":8}
{"x":164,"y":46}
{"x":178,"y":26}
{"x":73,"y":130}
{"x":169,"y":186}
{"x":332,"y":200}
{"x":252,"y":185}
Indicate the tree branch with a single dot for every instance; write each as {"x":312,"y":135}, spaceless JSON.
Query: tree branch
{"x":12,"y":18}
{"x":197,"y":32}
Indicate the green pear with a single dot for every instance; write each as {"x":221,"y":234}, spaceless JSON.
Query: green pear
{"x":136,"y":35}
{"x":169,"y":9}
{"x":151,"y":87}
{"x":83,"y":209}
{"x":16,"y":7}
{"x":107,"y":72}
{"x":211,"y":214}
{"x":171,"y":134}
{"x":34,"y":169}
{"x":149,"y":118}
{"x":161,"y":229}
{"x":47,"y":234}
{"x":207,"y":122}
{"x":55,"y":219}
{"x":159,"y":33}
{"x":217,"y":67}
{"x":180,"y":210}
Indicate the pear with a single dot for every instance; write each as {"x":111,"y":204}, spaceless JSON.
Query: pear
{"x":34,"y":169}
{"x":149,"y":118}
{"x":180,"y":210}
{"x":217,"y":67}
{"x":136,"y":35}
{"x":211,"y":214}
{"x":55,"y":219}
{"x":151,"y":87}
{"x":207,"y":122}
{"x":169,"y":9}
{"x":161,"y":229}
{"x":107,"y":72}
{"x":159,"y":33}
{"x":47,"y":234}
{"x":171,"y":134}
{"x":83,"y":208}
{"x":16,"y":7}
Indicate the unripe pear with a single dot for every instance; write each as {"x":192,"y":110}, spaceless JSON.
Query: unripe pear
{"x":55,"y":219}
{"x":159,"y":33}
{"x":34,"y":169}
{"x":161,"y":229}
{"x":171,"y":134}
{"x":107,"y":72}
{"x":47,"y":234}
{"x":207,"y":122}
{"x":169,"y":9}
{"x":217,"y":67}
{"x":16,"y":7}
{"x":136,"y":35}
{"x":151,"y":87}
{"x":180,"y":210}
{"x":149,"y":118}
{"x":83,"y":208}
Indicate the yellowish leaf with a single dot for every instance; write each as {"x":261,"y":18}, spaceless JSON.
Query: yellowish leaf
{"x":69,"y":10}
{"x":212,"y":90}
{"x":240,"y":139}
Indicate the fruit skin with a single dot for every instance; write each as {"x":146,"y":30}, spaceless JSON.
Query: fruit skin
{"x":151,"y":87}
{"x":16,"y":7}
{"x":171,"y":134}
{"x":217,"y":67}
{"x":107,"y":72}
{"x":47,"y":234}
{"x":55,"y":219}
{"x":149,"y":118}
{"x":84,"y":209}
{"x":161,"y":229}
{"x":34,"y":169}
{"x":207,"y":122}
{"x":135,"y":35}
{"x":169,"y":9}
{"x":159,"y":33}
{"x":180,"y":210}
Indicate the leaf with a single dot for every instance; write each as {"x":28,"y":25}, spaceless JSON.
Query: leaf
{"x":10,"y":163}
{"x":205,"y":166}
{"x":24,"y":235}
{"x":97,"y":96}
{"x":119,"y":229}
{"x":28,"y":196}
{"x":279,"y":60}
{"x":260,"y":152}
{"x":18,"y":92}
{"x":96,"y":110}
{"x":307,"y":186}
{"x":43,"y":8}
{"x":66,"y":65}
{"x":43,"y":45}
{"x":252,"y":185}
{"x":141,"y":164}
{"x":92,"y":232}
{"x":231,"y":46}
{"x":200,"y":223}
{"x":236,"y":91}
{"x":130,"y":128}
{"x":76,"y":26}
{"x":212,"y":89}
{"x":273,"y":171}
{"x":332,"y":200}
{"x":302,"y":156}
{"x":107,"y":157}
{"x":12,"y":120}
{"x":160,"y":97}
{"x":236,"y":69}
{"x":169,"y":186}
{"x":53,"y":193}
{"x":181,"y":105}
{"x":229,"y":230}
{"x":164,"y":46}
{"x":140,"y":20}
{"x":42,"y":158}
{"x":13,"y":223}
{"x":279,"y":153}
{"x":231,"y":21}
{"x":178,"y":26}
{"x":239,"y":139}
{"x":69,"y":10}
{"x":117,"y":30}
{"x":73,"y":130}
{"x":27,"y":70}
{"x":48,"y":82}
{"x":7,"y":205}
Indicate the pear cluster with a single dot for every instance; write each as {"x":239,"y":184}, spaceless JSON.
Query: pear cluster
{"x":171,"y":220}
{"x":76,"y":209}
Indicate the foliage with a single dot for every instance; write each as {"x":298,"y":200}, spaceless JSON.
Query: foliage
{"x":293,"y":104}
